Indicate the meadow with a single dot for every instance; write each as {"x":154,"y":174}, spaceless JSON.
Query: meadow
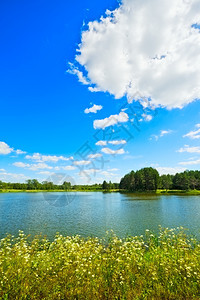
{"x":153,"y":266}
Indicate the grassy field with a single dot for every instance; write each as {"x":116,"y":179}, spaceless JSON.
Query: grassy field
{"x":164,"y":266}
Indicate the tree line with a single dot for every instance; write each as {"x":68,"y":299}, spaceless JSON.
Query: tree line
{"x":148,"y":179}
{"x":34,"y":184}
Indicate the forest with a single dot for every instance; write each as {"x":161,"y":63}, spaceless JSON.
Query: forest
{"x":146,"y":179}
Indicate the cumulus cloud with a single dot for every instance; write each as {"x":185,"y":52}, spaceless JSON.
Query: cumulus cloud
{"x":113,"y":152}
{"x":47,"y":158}
{"x":33,"y":167}
{"x":20,"y":152}
{"x":169,"y":170}
{"x":12,"y":177}
{"x":194,"y":134}
{"x":93,"y":156}
{"x":144,"y":49}
{"x":101,"y":143}
{"x":114,"y":142}
{"x":45,"y":173}
{"x":189,"y":149}
{"x":81,"y":162}
{"x":117,"y":142}
{"x":190,"y":163}
{"x":122,"y":117}
{"x":146,"y":117}
{"x":91,"y":171}
{"x":68,"y":168}
{"x":93,"y":109}
{"x":5,"y":149}
{"x":107,"y":174}
{"x":2,"y":170}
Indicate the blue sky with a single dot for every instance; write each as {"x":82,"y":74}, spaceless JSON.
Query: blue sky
{"x":141,"y":93}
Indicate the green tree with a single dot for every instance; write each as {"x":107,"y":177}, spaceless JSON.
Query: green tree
{"x":181,"y":181}
{"x":66,"y":185}
{"x":105,"y":185}
{"x":166,"y":182}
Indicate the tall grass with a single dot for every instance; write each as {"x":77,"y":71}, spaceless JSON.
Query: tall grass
{"x":163,"y":266}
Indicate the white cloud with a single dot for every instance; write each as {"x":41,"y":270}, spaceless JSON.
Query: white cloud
{"x":147,"y":117}
{"x":5,"y":149}
{"x":101,"y":143}
{"x":94,"y":171}
{"x":93,"y":109}
{"x":68,"y":168}
{"x":162,"y":133}
{"x":89,"y":172}
{"x":189,"y":149}
{"x":190,"y":163}
{"x":81,"y":162}
{"x":47,"y":158}
{"x":73,"y":70}
{"x":107,"y":174}
{"x":20,"y":152}
{"x":93,"y":156}
{"x":32,"y":167}
{"x":122,"y":117}
{"x":114,"y":142}
{"x":113,"y":170}
{"x":21,"y":165}
{"x":45,"y":173}
{"x":170,"y":170}
{"x":12,"y":177}
{"x":117,"y":142}
{"x":110,"y":151}
{"x":2,"y":170}
{"x":194,"y":134}
{"x":144,"y":49}
{"x":35,"y":167}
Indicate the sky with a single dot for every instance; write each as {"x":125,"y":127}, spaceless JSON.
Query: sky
{"x":90,"y":90}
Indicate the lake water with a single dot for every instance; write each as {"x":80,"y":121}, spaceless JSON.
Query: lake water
{"x":93,"y":213}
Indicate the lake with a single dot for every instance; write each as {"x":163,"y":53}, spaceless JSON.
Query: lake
{"x":93,"y":213}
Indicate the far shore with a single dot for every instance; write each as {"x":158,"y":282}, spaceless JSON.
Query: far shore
{"x":158,"y":192}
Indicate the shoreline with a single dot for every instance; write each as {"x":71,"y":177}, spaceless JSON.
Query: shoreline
{"x":158,"y":192}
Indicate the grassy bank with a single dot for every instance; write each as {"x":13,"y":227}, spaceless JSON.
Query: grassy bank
{"x":182,"y":192}
{"x":53,"y":191}
{"x":32,"y":191}
{"x":158,"y":192}
{"x":163,"y":192}
{"x":166,"y":266}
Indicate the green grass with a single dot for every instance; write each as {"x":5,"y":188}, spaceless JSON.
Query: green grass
{"x":32,"y":191}
{"x":164,"y":266}
{"x":53,"y":191}
{"x":189,"y":192}
{"x":159,"y":191}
